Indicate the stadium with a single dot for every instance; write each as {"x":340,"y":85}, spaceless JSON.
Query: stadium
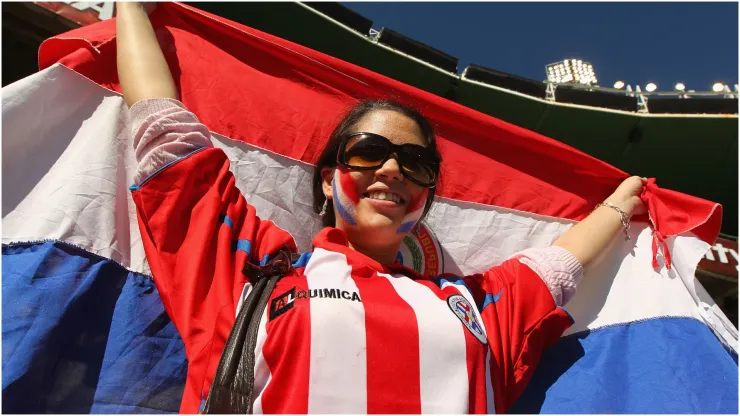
{"x":625,"y":127}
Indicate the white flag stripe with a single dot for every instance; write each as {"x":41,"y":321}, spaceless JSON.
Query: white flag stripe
{"x":444,"y":378}
{"x":338,"y":348}
{"x":68,"y":161}
{"x":475,"y":237}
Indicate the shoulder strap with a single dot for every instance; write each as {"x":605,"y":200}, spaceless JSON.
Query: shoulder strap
{"x":231,"y":390}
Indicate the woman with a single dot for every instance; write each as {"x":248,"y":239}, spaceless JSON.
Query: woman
{"x":347,"y":330}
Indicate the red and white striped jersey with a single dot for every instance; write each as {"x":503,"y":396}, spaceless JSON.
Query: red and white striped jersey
{"x":341,"y":333}
{"x":346,"y":335}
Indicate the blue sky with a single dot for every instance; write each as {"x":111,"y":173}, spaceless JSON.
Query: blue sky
{"x":696,"y":43}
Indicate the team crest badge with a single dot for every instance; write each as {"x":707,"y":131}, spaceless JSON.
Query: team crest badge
{"x":421,"y":252}
{"x":468,"y":316}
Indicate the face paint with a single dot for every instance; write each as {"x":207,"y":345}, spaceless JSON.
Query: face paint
{"x":346,"y":199}
{"x":415,"y":209}
{"x":345,"y":195}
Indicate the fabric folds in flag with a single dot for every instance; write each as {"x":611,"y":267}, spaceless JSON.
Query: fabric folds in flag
{"x":84,"y":329}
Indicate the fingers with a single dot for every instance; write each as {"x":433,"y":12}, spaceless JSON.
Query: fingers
{"x":640,"y":207}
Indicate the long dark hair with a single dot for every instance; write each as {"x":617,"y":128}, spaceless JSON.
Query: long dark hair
{"x":328,"y":157}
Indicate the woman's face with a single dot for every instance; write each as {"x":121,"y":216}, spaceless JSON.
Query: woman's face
{"x":378,"y":207}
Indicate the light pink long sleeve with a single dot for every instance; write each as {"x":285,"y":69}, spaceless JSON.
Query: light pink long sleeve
{"x":164,"y":131}
{"x":557,"y":267}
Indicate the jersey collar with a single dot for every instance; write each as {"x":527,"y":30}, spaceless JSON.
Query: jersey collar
{"x":334,"y":239}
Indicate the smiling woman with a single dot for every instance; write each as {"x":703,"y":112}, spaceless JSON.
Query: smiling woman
{"x":379,"y":171}
{"x":344,"y":328}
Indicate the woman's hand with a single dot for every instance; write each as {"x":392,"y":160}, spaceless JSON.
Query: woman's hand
{"x":627,"y":196}
{"x":595,"y":234}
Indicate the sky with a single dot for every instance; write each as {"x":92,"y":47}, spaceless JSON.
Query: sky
{"x":664,"y":43}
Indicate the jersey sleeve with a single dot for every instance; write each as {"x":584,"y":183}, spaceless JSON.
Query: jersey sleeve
{"x":520,"y":304}
{"x":197,"y":228}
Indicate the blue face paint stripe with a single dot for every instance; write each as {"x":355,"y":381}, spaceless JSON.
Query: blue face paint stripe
{"x":406,"y":227}
{"x":337,"y":203}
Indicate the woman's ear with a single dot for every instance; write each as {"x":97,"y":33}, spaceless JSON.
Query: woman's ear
{"x":327,"y":176}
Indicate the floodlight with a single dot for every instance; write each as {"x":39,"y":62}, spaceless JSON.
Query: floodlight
{"x":619,"y":85}
{"x":571,"y":70}
{"x":680,"y":87}
{"x":718,"y":87}
{"x":651,"y":87}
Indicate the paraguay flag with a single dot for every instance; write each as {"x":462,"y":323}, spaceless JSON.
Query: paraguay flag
{"x":84,"y":329}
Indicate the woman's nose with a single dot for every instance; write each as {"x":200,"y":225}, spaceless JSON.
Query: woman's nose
{"x":390,"y":170}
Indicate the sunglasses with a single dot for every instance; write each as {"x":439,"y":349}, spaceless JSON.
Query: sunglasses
{"x":367,"y":151}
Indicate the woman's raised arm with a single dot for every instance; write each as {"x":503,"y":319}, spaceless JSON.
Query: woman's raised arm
{"x":587,"y":239}
{"x":142,"y":69}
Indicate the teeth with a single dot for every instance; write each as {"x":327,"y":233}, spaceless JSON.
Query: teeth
{"x":384,"y":196}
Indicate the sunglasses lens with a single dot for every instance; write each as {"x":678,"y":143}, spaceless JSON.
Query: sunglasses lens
{"x":365,"y":151}
{"x":418,"y":166}
{"x":369,"y":151}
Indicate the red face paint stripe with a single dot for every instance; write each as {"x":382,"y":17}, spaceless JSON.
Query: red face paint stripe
{"x":418,"y":200}
{"x":349,"y":186}
{"x":393,"y":373}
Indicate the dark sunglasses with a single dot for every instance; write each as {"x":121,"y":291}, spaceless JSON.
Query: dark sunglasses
{"x":367,"y":151}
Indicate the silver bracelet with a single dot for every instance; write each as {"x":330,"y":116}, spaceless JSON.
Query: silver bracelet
{"x":623,"y":217}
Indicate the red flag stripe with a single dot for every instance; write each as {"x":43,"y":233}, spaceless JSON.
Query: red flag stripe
{"x":287,"y":98}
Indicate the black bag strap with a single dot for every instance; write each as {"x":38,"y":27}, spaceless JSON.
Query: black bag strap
{"x":231,"y":390}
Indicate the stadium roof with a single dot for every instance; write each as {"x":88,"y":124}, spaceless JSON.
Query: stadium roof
{"x":692,"y":153}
